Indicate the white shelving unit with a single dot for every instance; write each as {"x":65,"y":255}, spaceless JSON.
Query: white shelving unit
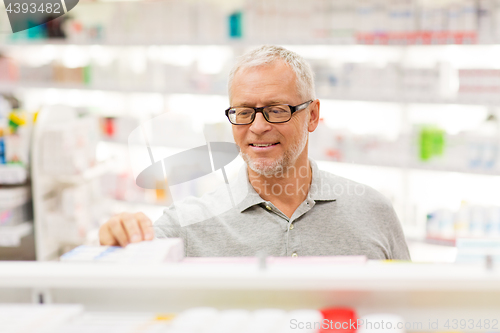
{"x":418,"y":293}
{"x":48,"y":186}
{"x":12,"y":174}
{"x":87,"y":175}
{"x":16,"y":225}
{"x":10,"y":236}
{"x":10,"y":88}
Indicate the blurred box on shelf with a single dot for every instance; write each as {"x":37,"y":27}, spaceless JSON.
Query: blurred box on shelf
{"x":11,"y":236}
{"x":15,"y":135}
{"x":14,"y":196}
{"x":8,"y":69}
{"x":122,"y":186}
{"x":37,"y":318}
{"x":118,"y":129}
{"x":148,"y":252}
{"x":13,"y":174}
{"x":72,"y":212}
{"x":424,"y":147}
{"x":69,"y":148}
{"x":15,"y":205}
{"x":481,"y":251}
{"x":471,"y":221}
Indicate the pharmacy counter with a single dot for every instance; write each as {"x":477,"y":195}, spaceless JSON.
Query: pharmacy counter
{"x":415,"y":291}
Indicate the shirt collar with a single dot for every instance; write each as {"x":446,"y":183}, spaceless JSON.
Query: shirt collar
{"x":321,"y":188}
{"x":322,"y":184}
{"x":252,"y":198}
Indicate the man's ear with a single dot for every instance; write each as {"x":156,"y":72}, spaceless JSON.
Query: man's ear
{"x":313,"y":115}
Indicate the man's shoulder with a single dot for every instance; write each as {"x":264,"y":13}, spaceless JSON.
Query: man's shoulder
{"x":344,"y":188}
{"x":360,"y":203}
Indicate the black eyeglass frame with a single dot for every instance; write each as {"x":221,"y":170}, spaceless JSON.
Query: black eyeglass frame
{"x":293,"y":109}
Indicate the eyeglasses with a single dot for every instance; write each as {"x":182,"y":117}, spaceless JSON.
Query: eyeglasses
{"x":281,"y":113}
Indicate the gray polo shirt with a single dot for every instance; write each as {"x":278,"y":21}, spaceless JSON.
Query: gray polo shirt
{"x":338,"y":217}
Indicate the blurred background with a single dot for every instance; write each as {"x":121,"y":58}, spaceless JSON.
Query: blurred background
{"x":409,"y":91}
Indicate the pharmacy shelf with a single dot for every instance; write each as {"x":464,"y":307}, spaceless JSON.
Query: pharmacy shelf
{"x":16,"y":86}
{"x":87,"y":175}
{"x":433,"y":241}
{"x":418,"y":292}
{"x":12,"y":87}
{"x":413,"y":100}
{"x":414,"y":166}
{"x":422,"y":252}
{"x":439,"y":241}
{"x":247,"y":274}
{"x":47,"y":184}
{"x":410,"y":166}
{"x":10,"y":236}
{"x":246,"y":42}
{"x":13,"y":174}
{"x":201,"y":42}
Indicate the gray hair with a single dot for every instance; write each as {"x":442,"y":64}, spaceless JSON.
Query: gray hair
{"x":267,"y":54}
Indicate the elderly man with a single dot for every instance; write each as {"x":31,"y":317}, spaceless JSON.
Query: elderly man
{"x":291,"y":208}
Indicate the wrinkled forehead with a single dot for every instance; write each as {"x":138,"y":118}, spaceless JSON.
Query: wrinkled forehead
{"x":277,"y":73}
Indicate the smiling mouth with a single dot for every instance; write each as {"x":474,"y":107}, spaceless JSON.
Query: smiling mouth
{"x":261,"y":145}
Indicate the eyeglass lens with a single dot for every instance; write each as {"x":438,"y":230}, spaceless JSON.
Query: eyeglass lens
{"x":273,"y":114}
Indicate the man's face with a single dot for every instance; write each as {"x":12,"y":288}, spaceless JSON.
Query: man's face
{"x":262,"y":86}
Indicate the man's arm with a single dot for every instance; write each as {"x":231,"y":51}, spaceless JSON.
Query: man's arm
{"x":399,"y":247}
{"x":395,"y":234}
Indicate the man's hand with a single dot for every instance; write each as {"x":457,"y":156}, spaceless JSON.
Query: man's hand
{"x":126,"y":228}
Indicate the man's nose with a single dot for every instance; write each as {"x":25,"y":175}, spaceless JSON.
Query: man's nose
{"x":260,"y":124}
